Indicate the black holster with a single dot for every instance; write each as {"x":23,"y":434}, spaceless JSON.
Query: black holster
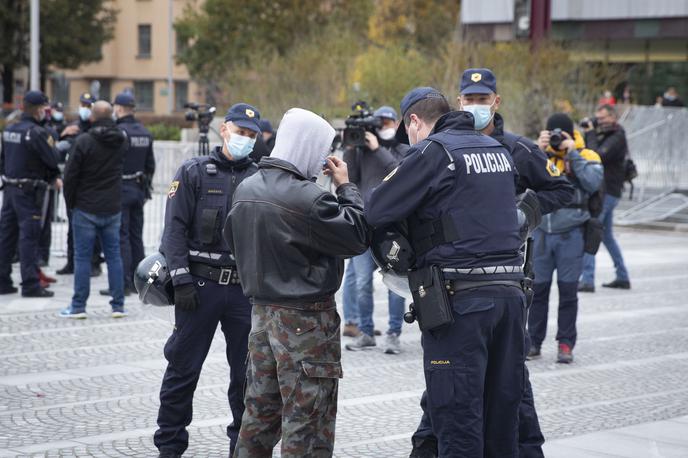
{"x":430,"y":298}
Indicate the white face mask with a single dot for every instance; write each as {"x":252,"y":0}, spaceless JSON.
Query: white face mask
{"x":387,"y":133}
{"x":482,"y":114}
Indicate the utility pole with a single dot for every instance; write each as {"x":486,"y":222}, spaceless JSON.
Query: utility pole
{"x":35,"y":46}
{"x":170,"y":58}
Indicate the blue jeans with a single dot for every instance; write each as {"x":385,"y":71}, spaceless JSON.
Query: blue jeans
{"x":607,"y":220}
{"x":361,"y":268}
{"x":86,"y":227}
{"x":349,"y":295}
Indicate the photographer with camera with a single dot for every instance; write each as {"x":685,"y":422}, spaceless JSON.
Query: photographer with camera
{"x":563,"y":235}
{"x":368,"y":164}
{"x":608,"y":139}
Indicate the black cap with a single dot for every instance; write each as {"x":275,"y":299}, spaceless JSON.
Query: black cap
{"x":125,"y":99}
{"x":411,"y":98}
{"x":35,"y":98}
{"x":478,"y":81}
{"x":86,"y":97}
{"x":560,"y":121}
{"x":57,"y":106}
{"x":244,"y":115}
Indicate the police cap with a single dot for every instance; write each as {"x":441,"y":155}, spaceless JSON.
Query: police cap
{"x":86,"y":97}
{"x":244,"y":115}
{"x":386,"y":113}
{"x":478,"y":81}
{"x":265,"y":126}
{"x":125,"y":99}
{"x":411,"y":98}
{"x":35,"y":98}
{"x":57,"y":106}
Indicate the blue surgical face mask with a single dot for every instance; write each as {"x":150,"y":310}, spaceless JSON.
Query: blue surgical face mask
{"x":57,"y":116}
{"x":84,"y":113}
{"x":240,"y":146}
{"x":482,"y":114}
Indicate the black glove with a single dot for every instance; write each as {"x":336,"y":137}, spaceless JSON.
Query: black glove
{"x":186,"y":297}
{"x":529,"y":213}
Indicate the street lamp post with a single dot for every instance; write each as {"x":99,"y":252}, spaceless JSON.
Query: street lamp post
{"x":35,"y":46}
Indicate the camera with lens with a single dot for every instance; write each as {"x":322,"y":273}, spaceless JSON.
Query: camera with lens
{"x":201,"y":113}
{"x":588,"y":123}
{"x":555,"y":138}
{"x":360,"y":121}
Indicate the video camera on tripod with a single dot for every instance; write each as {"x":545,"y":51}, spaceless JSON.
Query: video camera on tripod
{"x":360,"y":121}
{"x":203,"y":114}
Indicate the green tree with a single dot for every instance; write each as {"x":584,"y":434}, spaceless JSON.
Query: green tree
{"x":223,"y":35}
{"x":72,"y":33}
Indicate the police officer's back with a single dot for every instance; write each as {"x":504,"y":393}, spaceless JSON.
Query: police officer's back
{"x":139,"y":166}
{"x":28,"y":164}
{"x":456,"y":189}
{"x":205,"y":279}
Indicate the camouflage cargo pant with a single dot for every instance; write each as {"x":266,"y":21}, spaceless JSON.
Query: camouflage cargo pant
{"x":291,"y":383}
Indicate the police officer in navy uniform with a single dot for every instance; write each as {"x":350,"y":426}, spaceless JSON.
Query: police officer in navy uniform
{"x":139,"y":166}
{"x":456,"y":189}
{"x":28,"y":165}
{"x":206,"y":284}
{"x":478,"y":95}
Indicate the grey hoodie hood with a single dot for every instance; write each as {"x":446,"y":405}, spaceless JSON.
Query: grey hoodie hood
{"x":304,"y":140}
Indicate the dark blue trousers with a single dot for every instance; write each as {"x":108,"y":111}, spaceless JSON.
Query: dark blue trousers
{"x":474,"y":374}
{"x":131,"y":230}
{"x":20,"y":222}
{"x":186,"y":350}
{"x":562,"y":252}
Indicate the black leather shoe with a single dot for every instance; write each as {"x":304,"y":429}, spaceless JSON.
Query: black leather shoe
{"x":40,"y":292}
{"x":426,"y":448}
{"x":618,"y":284}
{"x":68,"y":269}
{"x":586,"y":288}
{"x":8,"y":290}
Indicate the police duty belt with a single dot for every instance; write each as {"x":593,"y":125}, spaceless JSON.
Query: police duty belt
{"x":220,"y":275}
{"x":454,"y":286}
{"x":132,"y":176}
{"x":21,"y":182}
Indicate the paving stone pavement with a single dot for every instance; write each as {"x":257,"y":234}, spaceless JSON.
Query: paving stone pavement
{"x":90,"y":388}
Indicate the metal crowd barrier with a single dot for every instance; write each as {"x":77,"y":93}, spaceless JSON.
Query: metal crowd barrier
{"x":168,"y":157}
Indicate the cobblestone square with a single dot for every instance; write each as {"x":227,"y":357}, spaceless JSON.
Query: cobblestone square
{"x":90,"y":388}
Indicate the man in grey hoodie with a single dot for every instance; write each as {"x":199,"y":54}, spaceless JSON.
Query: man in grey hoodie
{"x":290,"y":237}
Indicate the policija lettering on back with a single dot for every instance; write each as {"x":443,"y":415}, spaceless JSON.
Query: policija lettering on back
{"x":486,"y":163}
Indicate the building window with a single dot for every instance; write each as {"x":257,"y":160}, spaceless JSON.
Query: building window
{"x":143,"y":92}
{"x":101,"y":89}
{"x":181,"y":94}
{"x":60,"y":90}
{"x":144,"y":40}
{"x":181,"y":44}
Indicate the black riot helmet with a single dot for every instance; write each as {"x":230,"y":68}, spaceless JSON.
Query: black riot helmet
{"x":394,"y":255}
{"x":153,"y":281}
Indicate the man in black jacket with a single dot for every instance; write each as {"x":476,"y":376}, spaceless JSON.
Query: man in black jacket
{"x":93,"y":186}
{"x":608,"y":139}
{"x":290,"y":238}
